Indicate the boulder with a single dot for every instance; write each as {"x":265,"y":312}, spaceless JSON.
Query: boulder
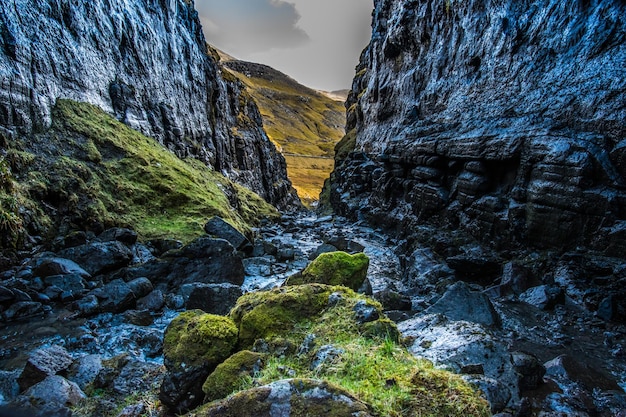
{"x":219,"y":228}
{"x":544,"y":297}
{"x":22,"y":310}
{"x":229,"y":375}
{"x":99,"y":257}
{"x":211,"y":298}
{"x":152,"y":302}
{"x":460,"y":303}
{"x":115,"y":297}
{"x":334,"y":268}
{"x":58,"y":266}
{"x":51,"y":397}
{"x":289,"y":397}
{"x":73,"y":285}
{"x":43,"y":363}
{"x":85,"y":370}
{"x":120,"y":234}
{"x":140,"y":287}
{"x":194,"y":344}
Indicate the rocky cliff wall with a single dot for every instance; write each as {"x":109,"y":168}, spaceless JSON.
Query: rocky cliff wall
{"x":146,"y":61}
{"x":505,"y":119}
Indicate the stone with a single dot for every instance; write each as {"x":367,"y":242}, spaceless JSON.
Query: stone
{"x":43,"y":363}
{"x":58,"y":266}
{"x":334,"y":268}
{"x":530,"y":370}
{"x":544,"y":297}
{"x":87,"y":306}
{"x":365,"y":313}
{"x":84,"y":370}
{"x":99,"y":257}
{"x":323,"y":248}
{"x":152,"y":302}
{"x":124,"y":235}
{"x":229,"y":375}
{"x":52,"y":396}
{"x":22,"y":310}
{"x":140,"y":287}
{"x":325,"y":355}
{"x":6,"y":295}
{"x":220,"y":229}
{"x":393,"y":300}
{"x":461,"y":304}
{"x":72,"y":283}
{"x":115,"y":297}
{"x":211,"y":298}
{"x":288,"y":397}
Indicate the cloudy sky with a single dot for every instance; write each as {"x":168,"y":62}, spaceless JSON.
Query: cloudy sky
{"x":317,"y":42}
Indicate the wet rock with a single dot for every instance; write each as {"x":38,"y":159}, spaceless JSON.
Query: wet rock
{"x":6,"y":295}
{"x":140,"y":287}
{"x":256,"y":266}
{"x":161,"y":246}
{"x":393,"y":300}
{"x":494,"y":391}
{"x":126,"y":236}
{"x":475,"y":266}
{"x":515,"y":279}
{"x":135,"y":410}
{"x":288,"y":397}
{"x":608,"y":308}
{"x":152,"y":302}
{"x":365,"y":313}
{"x":43,"y":363}
{"x":115,"y":297}
{"x":139,"y":317}
{"x":425,"y":270}
{"x":68,"y":287}
{"x":285,"y":254}
{"x":9,"y":388}
{"x":58,"y":266}
{"x":544,"y":297}
{"x":99,"y":257}
{"x":323,"y":248}
{"x":85,"y":370}
{"x":461,"y":304}
{"x":87,"y":306}
{"x":530,"y":370}
{"x":141,"y":254}
{"x":22,"y":310}
{"x":205,"y":260}
{"x":220,"y":229}
{"x":211,"y":298}
{"x":52,"y":396}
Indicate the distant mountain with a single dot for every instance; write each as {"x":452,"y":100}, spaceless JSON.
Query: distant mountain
{"x":305,"y":124}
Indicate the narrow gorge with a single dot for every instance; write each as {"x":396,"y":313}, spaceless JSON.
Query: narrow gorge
{"x":467,"y":258}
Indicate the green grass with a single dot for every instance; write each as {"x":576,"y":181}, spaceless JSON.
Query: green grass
{"x":91,"y":168}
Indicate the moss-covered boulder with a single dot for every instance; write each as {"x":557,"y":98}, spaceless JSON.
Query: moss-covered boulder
{"x":293,"y":397}
{"x":195,"y":338}
{"x":334,"y":268}
{"x":194,"y":344}
{"x":231,"y":374}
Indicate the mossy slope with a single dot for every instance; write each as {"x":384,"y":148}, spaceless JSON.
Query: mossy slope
{"x":89,"y":170}
{"x":334,"y":268}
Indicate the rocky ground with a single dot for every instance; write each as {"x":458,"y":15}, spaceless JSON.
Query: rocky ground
{"x":83,"y":320}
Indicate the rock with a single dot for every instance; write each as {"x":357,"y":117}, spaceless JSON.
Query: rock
{"x":211,"y":298}
{"x":365,"y":313}
{"x":99,"y":257}
{"x":334,"y":268}
{"x":393,"y":300}
{"x":140,"y":287}
{"x":73,"y":284}
{"x":126,"y":236}
{"x":139,"y":317}
{"x":87,"y":306}
{"x":43,"y":363}
{"x":325,"y":355}
{"x":229,"y":375}
{"x":461,"y":304}
{"x":205,"y":260}
{"x":135,"y":410}
{"x":22,"y":310}
{"x":608,"y":308}
{"x":115,"y":297}
{"x":515,"y":279}
{"x":52,"y":396}
{"x":530,"y":370}
{"x":6,"y":295}
{"x":288,"y":397}
{"x":220,"y":229}
{"x":494,"y":391}
{"x":162,"y":246}
{"x":474,"y":267}
{"x":58,"y":266}
{"x":85,"y":370}
{"x":345,"y":245}
{"x":285,"y":254}
{"x":323,"y":248}
{"x":544,"y":297}
{"x":152,"y":302}
{"x":194,"y":344}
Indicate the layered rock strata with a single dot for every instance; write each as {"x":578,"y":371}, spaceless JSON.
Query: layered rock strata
{"x":503,"y":119}
{"x":146,"y":62}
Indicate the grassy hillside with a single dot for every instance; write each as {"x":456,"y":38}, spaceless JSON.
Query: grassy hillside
{"x":304,"y":124}
{"x":91,"y":171}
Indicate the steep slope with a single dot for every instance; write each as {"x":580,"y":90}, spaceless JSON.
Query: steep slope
{"x":503,"y":120}
{"x":144,"y":61}
{"x":303,"y":123}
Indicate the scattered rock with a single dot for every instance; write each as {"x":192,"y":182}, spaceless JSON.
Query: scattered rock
{"x":334,"y":268}
{"x":152,"y":302}
{"x":52,"y":396}
{"x":22,"y":310}
{"x":58,"y":266}
{"x":126,"y":236}
{"x":461,"y":304}
{"x":85,"y":370}
{"x":228,"y":375}
{"x":219,"y":228}
{"x":211,"y":298}
{"x":99,"y":257}
{"x":544,"y":297}
{"x":43,"y":363}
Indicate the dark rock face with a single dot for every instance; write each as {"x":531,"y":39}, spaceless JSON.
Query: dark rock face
{"x":502,"y":119}
{"x":147,"y":63}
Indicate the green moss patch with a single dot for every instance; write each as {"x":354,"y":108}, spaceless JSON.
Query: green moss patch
{"x":91,"y":169}
{"x":231,"y":375}
{"x":334,"y":268}
{"x":197,"y":339}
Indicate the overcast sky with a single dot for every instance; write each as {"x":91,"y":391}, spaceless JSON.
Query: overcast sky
{"x":317,"y":42}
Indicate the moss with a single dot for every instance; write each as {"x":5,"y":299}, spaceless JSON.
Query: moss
{"x":91,"y":169}
{"x":230,"y":375}
{"x":335,"y":268}
{"x":346,"y":145}
{"x":197,"y":339}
